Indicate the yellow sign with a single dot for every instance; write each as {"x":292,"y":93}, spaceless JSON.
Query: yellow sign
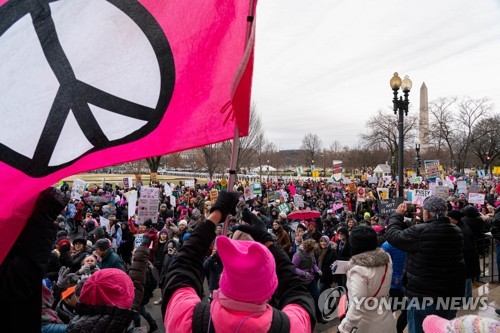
{"x":496,"y":170}
{"x":223,"y":182}
{"x":315,"y":174}
{"x":213,"y":195}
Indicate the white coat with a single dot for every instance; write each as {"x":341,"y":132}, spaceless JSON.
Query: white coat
{"x":365,"y":272}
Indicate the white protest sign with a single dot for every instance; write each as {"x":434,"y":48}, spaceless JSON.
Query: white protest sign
{"x":167,"y":189}
{"x":189,"y":183}
{"x":476,"y":198}
{"x":105,"y":224}
{"x":173,"y":200}
{"x":248,"y":194}
{"x":148,"y":204}
{"x":442,"y":192}
{"x":132,"y":202}
{"x":462,"y":187}
{"x":346,"y":180}
{"x":127,"y":182}
{"x":372,"y":180}
{"x":138,"y":240}
{"x":77,"y":189}
{"x":298,"y":200}
{"x":420,"y":195}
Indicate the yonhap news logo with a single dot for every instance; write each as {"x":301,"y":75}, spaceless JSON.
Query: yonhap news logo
{"x":328,"y":303}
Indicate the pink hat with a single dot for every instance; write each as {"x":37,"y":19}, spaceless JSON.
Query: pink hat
{"x":378,"y":228}
{"x":465,"y":324}
{"x":249,"y":273}
{"x":109,"y":286}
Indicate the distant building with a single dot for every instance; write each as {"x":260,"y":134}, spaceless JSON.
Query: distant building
{"x":382,"y":170}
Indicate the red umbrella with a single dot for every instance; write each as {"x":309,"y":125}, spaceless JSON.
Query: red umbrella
{"x":303,"y":215}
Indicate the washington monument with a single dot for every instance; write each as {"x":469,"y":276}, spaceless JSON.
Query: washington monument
{"x":423,"y":125}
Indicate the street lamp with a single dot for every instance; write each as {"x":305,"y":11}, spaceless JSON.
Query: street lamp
{"x":400,"y":108}
{"x":417,"y":149}
{"x":268,"y":171}
{"x":312,"y":164}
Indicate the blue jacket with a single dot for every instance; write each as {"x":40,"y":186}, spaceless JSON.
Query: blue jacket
{"x":398,"y":263}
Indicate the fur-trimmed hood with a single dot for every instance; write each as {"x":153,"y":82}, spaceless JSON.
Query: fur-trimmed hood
{"x":375,"y":258}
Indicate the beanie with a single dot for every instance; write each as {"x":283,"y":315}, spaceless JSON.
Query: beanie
{"x":183,"y":222}
{"x":63,"y":242}
{"x":470,"y":211}
{"x":435,"y":204}
{"x":163,"y":231}
{"x":456,"y":214}
{"x":362,"y":239}
{"x":249,"y":273}
{"x":102,"y":244}
{"x":110,"y":286}
{"x":366,"y":215}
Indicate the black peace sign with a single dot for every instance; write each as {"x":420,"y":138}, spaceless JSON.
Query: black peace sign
{"x":75,"y":99}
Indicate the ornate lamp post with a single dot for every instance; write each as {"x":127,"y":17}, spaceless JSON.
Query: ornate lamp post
{"x":417,"y":150}
{"x":401,"y":109}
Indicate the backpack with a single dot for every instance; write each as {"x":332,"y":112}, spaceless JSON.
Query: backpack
{"x":202,"y":322}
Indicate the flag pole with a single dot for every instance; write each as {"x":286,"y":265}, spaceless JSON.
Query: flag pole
{"x":236,"y":138}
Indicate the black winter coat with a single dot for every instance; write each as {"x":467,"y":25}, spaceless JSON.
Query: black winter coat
{"x":471,"y":256}
{"x":327,"y":275}
{"x":434,"y":261}
{"x":100,"y":319}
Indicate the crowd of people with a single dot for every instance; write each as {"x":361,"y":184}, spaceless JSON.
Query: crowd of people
{"x":266,"y":273}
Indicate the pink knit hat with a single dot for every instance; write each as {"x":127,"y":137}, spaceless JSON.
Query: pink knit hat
{"x":464,"y":324}
{"x":109,"y":286}
{"x":249,"y":273}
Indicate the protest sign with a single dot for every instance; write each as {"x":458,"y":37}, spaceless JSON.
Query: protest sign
{"x":104,"y":223}
{"x":409,"y":194}
{"x":336,"y":184}
{"x":383,"y":193}
{"x":284,"y":208}
{"x":361,"y":194}
{"x":462,"y":187}
{"x":372,"y":180}
{"x":431,"y":168}
{"x":257,"y":188}
{"x":173,"y":200}
{"x":388,"y":206}
{"x":442,"y":192}
{"x":476,"y":198}
{"x":248,"y":194}
{"x":77,"y":189}
{"x":214,"y":194}
{"x":298,"y":201}
{"x":351,"y":187}
{"x":131,"y":197}
{"x":138,"y":240}
{"x":167,"y":189}
{"x":127,"y":182}
{"x":270,"y":196}
{"x":420,"y":195}
{"x":148,"y":204}
{"x":481,"y":173}
{"x":189,"y":183}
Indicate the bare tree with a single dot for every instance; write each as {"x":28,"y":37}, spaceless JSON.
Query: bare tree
{"x":210,"y":157}
{"x":452,"y":124}
{"x":311,"y":144}
{"x":486,"y":139}
{"x":383,"y":132}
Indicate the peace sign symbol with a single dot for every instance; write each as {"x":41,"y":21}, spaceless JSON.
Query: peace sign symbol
{"x":78,"y":76}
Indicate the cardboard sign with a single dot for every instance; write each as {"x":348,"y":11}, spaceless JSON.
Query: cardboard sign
{"x":476,"y":198}
{"x":361,"y":194}
{"x":351,"y":187}
{"x":462,"y":187}
{"x":173,"y":200}
{"x":127,"y":182}
{"x":189,"y":183}
{"x":298,"y":201}
{"x":389,"y":206}
{"x":214,"y":194}
{"x":132,"y":202}
{"x":284,"y":208}
{"x":372,"y":180}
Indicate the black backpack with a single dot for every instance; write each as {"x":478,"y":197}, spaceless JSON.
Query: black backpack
{"x":202,"y":322}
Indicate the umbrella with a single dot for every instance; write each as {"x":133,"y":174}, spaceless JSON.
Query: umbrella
{"x":304,"y":215}
{"x":95,"y":198}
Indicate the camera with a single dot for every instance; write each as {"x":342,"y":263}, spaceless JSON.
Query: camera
{"x":411,"y":209}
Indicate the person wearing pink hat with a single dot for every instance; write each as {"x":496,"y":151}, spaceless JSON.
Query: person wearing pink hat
{"x":256,"y":274}
{"x":464,"y":324}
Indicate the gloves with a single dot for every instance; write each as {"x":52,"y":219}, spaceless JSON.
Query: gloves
{"x":307,"y":275}
{"x":257,"y":228}
{"x":320,"y":273}
{"x":226,"y":203}
{"x":64,"y":278}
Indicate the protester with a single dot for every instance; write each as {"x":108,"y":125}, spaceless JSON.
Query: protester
{"x":240,"y":303}
{"x":368,"y":276}
{"x":282,"y":237}
{"x":429,"y":271}
{"x":325,"y":257}
{"x":108,"y":258}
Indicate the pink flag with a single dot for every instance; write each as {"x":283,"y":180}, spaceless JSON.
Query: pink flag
{"x":87,"y":84}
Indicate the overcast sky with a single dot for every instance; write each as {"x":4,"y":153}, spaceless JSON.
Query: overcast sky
{"x":323,"y":66}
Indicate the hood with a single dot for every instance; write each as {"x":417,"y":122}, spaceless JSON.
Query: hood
{"x":375,"y":258}
{"x":177,"y":245}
